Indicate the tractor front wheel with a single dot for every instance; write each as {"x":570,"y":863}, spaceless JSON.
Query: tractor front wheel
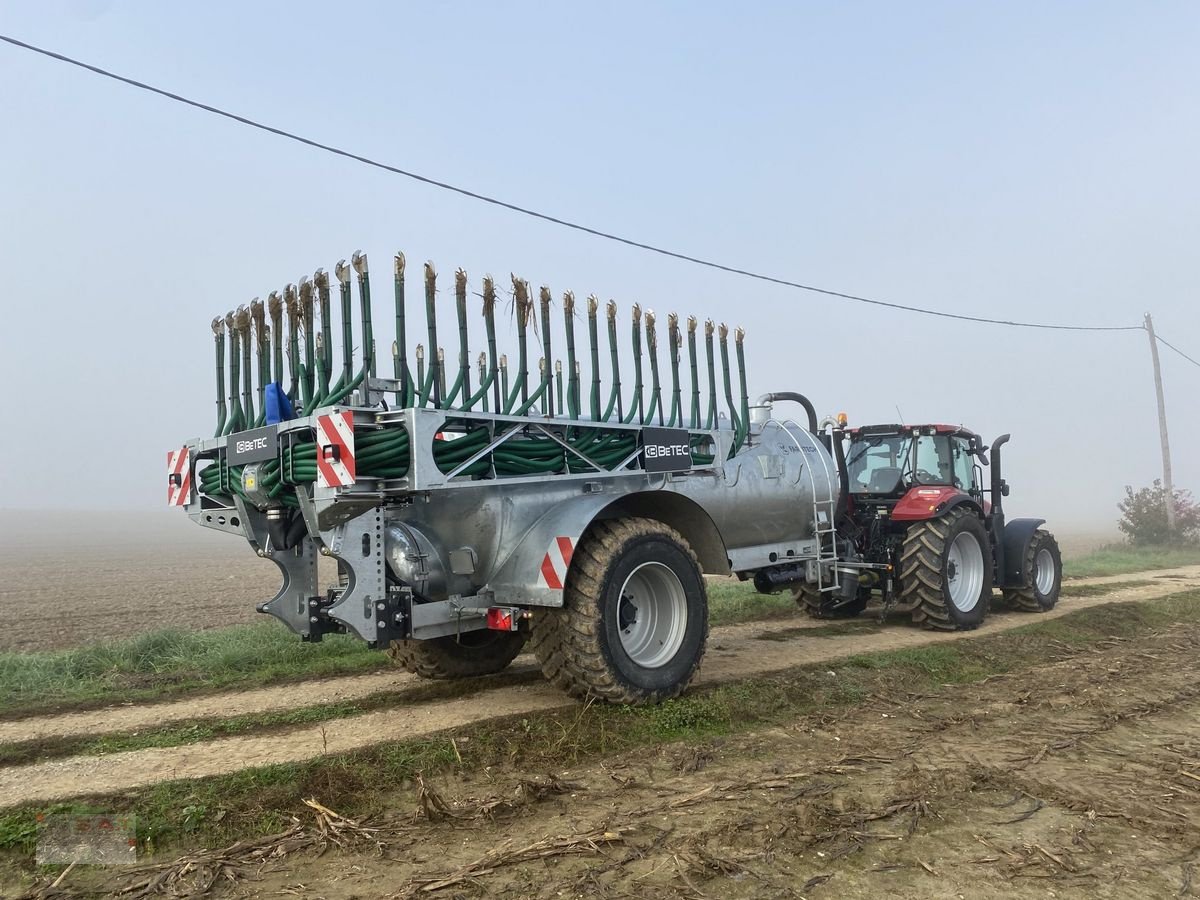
{"x":1041,"y":572}
{"x":946,"y":572}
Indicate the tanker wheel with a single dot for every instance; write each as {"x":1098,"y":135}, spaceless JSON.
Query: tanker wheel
{"x":634,"y":619}
{"x":822,"y":605}
{"x":468,"y":655}
{"x":1041,"y":570}
{"x":946,"y":572}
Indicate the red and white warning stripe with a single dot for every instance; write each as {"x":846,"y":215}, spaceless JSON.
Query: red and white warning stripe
{"x":335,"y":450}
{"x":179,"y":477}
{"x":555,"y":564}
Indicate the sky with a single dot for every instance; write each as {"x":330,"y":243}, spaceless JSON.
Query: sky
{"x":1014,"y":160}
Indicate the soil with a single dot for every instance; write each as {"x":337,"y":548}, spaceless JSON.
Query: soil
{"x":1077,"y":778}
{"x":734,"y":652}
{"x":76,"y":577}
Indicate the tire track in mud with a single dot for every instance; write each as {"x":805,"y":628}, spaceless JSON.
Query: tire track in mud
{"x":736,"y":651}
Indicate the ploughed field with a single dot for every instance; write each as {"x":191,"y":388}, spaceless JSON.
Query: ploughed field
{"x":79,"y":577}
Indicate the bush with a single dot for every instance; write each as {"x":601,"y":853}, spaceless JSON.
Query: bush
{"x":1144,"y":515}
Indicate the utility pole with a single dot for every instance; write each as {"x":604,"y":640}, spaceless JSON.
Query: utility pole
{"x":1162,"y":428}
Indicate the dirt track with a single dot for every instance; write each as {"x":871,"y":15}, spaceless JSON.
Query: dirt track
{"x":734,"y":652}
{"x":1079,"y":778}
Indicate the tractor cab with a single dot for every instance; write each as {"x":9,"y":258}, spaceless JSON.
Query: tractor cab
{"x":922,"y":465}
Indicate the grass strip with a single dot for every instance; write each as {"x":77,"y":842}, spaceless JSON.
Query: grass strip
{"x":174,"y":664}
{"x":1121,"y":559}
{"x":377,"y":780}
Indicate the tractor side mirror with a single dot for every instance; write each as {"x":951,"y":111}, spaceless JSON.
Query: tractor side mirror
{"x":1004,"y":488}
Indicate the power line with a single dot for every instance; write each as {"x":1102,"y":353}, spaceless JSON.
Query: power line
{"x":711,"y":264}
{"x":1167,"y":343}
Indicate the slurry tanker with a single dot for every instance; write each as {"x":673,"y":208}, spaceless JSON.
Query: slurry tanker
{"x":479,"y":507}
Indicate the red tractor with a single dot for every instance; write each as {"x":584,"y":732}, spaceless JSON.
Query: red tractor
{"x":917,"y":525}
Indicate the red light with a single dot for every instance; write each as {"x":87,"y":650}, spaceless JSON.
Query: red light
{"x":502,"y":618}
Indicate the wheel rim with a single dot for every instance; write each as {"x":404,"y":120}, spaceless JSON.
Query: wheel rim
{"x":1043,"y":572}
{"x":652,"y":615}
{"x":964,"y":572}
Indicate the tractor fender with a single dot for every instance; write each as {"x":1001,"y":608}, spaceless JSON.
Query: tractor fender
{"x":535,"y":572}
{"x":1017,"y":535}
{"x":922,"y":503}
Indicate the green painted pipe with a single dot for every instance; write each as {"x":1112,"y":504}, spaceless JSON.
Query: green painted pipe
{"x":635,"y":405}
{"x":359,"y":262}
{"x":522,"y":304}
{"x":275,"y":309}
{"x":614,"y":398}
{"x":400,"y":353}
{"x":712,"y":375}
{"x":305,"y":293}
{"x":673,"y":351}
{"x":342,"y":273}
{"x":430,"y":387}
{"x":655,"y":387}
{"x":487,"y":372}
{"x":218,"y":328}
{"x":572,"y":400}
{"x":734,"y":418}
{"x":593,"y":340}
{"x":293,"y":314}
{"x":691,"y":329}
{"x":258,"y":321}
{"x":739,"y":336}
{"x":462,"y":381}
{"x":244,"y":337}
{"x":234,"y":422}
{"x":325,"y":336}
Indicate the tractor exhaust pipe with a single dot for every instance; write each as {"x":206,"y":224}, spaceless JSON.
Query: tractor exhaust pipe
{"x":999,"y":489}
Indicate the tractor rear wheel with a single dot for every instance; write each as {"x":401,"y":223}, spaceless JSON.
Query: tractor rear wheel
{"x":634,"y":619}
{"x":825,"y":605}
{"x":946,"y":572}
{"x":1041,"y":571}
{"x":468,"y":655}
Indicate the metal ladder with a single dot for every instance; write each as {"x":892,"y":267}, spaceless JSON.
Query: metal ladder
{"x":826,"y":535}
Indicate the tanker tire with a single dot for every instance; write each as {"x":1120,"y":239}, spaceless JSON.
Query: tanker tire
{"x":579,"y":646}
{"x":923,"y":572}
{"x":1037,"y":598}
{"x":817,"y":605}
{"x":475,"y":653}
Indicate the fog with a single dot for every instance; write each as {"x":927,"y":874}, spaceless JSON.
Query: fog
{"x":1032,"y":162}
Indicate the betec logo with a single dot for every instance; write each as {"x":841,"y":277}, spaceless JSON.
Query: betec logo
{"x":659,"y":450}
{"x":258,"y":443}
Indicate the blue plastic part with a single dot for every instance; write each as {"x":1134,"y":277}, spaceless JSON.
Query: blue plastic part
{"x":279,"y":407}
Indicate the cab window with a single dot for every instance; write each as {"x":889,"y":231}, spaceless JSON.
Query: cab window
{"x":964,"y":467}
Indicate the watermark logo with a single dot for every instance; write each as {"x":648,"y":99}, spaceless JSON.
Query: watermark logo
{"x":104,"y":840}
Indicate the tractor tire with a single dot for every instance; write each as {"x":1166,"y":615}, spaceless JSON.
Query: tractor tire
{"x":469,"y":655}
{"x":820,"y":605}
{"x":1041,"y":570}
{"x":634,"y":620}
{"x":946,"y":571}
